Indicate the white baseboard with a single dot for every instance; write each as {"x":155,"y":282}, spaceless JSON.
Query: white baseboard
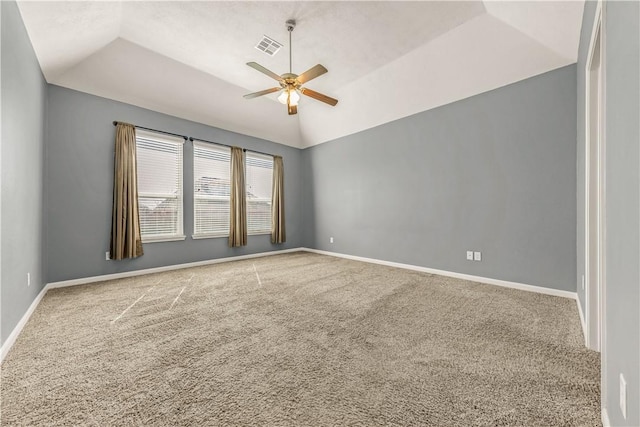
{"x":582,"y":320}
{"x":11,"y":339}
{"x":605,"y":418}
{"x":125,"y":274}
{"x":486,"y":280}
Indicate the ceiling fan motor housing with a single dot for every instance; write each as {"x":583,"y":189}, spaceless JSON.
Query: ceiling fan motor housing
{"x":290,"y":79}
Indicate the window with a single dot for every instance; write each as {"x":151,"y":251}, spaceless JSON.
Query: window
{"x":211,"y":190}
{"x":159,"y":186}
{"x":258,"y":178}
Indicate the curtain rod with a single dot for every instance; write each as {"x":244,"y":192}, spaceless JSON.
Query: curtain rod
{"x":115,"y":123}
{"x":227,"y":145}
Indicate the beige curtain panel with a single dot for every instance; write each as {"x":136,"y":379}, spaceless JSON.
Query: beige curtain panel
{"x":238,"y":209}
{"x":126,"y":240}
{"x":278,"y":234}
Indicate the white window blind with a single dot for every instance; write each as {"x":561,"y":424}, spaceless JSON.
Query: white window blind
{"x":211,"y":189}
{"x":258,"y":177}
{"x":159,"y":185}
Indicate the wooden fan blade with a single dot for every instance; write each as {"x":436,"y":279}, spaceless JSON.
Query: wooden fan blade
{"x":320,"y":97}
{"x":262,"y":92}
{"x":311,"y":73}
{"x":292,"y":109}
{"x":263,"y":70}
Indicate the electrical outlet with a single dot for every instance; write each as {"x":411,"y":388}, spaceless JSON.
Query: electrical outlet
{"x":477,"y":256}
{"x":469,"y":255}
{"x":623,"y":396}
{"x":28,"y":279}
{"x":107,"y":256}
{"x":583,"y":282}
{"x":330,"y":239}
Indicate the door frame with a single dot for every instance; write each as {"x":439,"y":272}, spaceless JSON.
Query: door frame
{"x":596,"y":318}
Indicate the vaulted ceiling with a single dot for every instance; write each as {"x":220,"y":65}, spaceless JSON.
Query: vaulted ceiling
{"x":386,"y":60}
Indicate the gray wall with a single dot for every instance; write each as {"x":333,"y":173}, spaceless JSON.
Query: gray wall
{"x":24,"y":94}
{"x":585,"y":36}
{"x":492,"y":173}
{"x":79,"y":184}
{"x":622,"y":50}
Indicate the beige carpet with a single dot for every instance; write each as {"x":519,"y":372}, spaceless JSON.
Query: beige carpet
{"x":300,"y":339}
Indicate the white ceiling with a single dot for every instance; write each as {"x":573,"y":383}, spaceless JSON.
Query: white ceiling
{"x":386,"y":59}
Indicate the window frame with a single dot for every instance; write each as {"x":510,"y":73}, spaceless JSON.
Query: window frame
{"x":162,"y":138}
{"x":269,"y":200}
{"x":196,"y":235}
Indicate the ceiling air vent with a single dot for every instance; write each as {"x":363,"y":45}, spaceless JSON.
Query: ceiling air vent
{"x":268,"y":45}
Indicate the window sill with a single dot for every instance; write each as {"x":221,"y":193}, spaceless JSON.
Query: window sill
{"x":208,"y":236}
{"x":217,"y":236}
{"x":163,"y":239}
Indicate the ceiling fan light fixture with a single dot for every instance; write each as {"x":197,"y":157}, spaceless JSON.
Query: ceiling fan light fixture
{"x":294,"y":97}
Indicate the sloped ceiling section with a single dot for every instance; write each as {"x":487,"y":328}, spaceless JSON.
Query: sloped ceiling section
{"x":139,"y":76}
{"x":386,"y":60}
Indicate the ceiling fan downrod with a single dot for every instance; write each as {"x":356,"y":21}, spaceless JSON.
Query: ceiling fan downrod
{"x":291,"y":24}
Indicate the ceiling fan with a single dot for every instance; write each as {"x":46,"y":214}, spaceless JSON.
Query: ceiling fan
{"x":291,"y":84}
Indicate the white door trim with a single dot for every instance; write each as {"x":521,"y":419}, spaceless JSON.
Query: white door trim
{"x":596,"y":319}
{"x":591,"y":291}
